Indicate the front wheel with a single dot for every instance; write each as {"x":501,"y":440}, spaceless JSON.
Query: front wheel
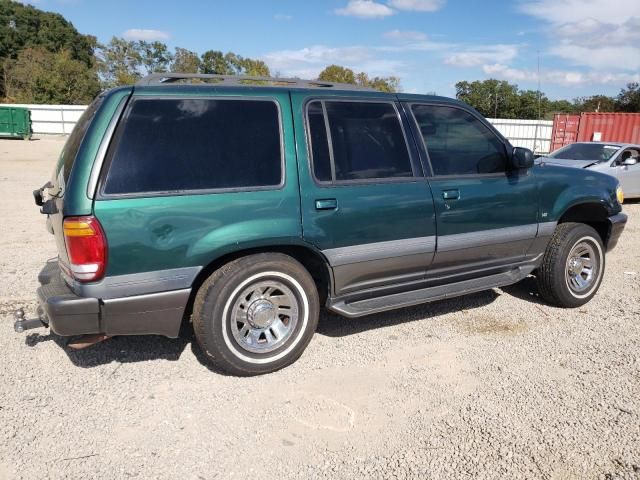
{"x":572,"y":266}
{"x":256,"y":314}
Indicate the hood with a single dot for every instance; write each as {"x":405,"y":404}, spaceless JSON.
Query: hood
{"x":568,"y":163}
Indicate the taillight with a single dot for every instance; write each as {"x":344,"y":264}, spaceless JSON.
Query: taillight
{"x":86,"y":247}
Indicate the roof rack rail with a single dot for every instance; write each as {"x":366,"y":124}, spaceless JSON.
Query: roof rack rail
{"x":243,"y":81}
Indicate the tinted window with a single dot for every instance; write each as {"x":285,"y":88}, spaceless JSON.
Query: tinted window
{"x":72,"y":145}
{"x":319,"y":142}
{"x":366,"y":141}
{"x":195,"y":144}
{"x":458,"y":143}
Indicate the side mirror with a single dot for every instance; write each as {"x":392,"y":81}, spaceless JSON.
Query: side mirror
{"x":630,"y":161}
{"x":521,"y":158}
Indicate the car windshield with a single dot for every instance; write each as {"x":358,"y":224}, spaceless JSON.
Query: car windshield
{"x":586,"y":151}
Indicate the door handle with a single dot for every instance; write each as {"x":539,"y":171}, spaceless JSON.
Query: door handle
{"x":327,"y":204}
{"x":453,"y":194}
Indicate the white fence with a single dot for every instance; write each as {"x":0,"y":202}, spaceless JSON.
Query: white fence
{"x":532,"y":134}
{"x":60,"y":119}
{"x":53,"y":119}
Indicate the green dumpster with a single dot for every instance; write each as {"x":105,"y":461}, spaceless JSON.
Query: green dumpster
{"x":15,"y":122}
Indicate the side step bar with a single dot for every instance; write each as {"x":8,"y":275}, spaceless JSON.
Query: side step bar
{"x":360,"y":308}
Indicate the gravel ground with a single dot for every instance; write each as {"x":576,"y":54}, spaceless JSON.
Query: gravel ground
{"x":493,"y":385}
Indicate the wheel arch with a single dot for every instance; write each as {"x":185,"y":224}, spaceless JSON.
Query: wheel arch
{"x":594,"y":214}
{"x":310,"y":258}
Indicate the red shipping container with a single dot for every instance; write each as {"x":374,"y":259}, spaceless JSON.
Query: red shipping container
{"x":609,"y":127}
{"x":565,"y":130}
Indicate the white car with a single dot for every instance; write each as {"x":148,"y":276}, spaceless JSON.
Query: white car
{"x":621,"y":160}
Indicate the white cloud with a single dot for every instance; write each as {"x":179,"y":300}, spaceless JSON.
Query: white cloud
{"x":282,"y":17}
{"x":404,"y":36}
{"x":309,"y":62}
{"x":559,"y":77}
{"x":147,"y":35}
{"x":365,"y":9}
{"x":604,"y":58}
{"x":475,"y":56}
{"x":417,"y":5}
{"x":558,"y":12}
{"x":602,"y":35}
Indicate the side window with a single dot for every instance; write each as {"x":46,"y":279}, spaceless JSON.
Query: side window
{"x":365,"y":141}
{"x":458,"y":143}
{"x":174,"y":145}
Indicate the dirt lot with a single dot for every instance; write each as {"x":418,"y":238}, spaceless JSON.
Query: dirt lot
{"x":493,"y":385}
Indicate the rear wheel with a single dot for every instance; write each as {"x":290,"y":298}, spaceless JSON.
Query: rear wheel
{"x":572,"y":266}
{"x":256,"y":314}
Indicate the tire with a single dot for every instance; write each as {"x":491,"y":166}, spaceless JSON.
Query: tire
{"x":572,"y":266}
{"x":256,"y":314}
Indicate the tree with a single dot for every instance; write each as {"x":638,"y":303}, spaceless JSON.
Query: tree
{"x":492,"y":98}
{"x":339,"y":74}
{"x":595,"y":103}
{"x":25,"y":27}
{"x":39,"y":76}
{"x":154,"y":57}
{"x":119,"y":63}
{"x":215,"y":62}
{"x":628,"y":99}
{"x":185,"y":61}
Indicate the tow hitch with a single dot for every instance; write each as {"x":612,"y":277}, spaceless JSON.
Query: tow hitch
{"x":21,"y":324}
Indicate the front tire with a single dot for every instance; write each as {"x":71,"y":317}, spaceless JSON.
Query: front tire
{"x":572,"y":267}
{"x":256,"y":314}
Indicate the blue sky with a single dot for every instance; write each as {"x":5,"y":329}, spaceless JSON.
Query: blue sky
{"x":585,"y":46}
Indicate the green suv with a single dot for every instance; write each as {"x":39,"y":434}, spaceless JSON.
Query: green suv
{"x":244,"y":205}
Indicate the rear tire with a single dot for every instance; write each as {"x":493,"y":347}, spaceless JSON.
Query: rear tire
{"x":572,"y":267}
{"x":256,"y":314}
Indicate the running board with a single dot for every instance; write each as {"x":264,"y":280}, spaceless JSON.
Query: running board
{"x":359,"y":308}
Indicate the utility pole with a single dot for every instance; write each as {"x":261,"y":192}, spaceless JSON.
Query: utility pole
{"x":535,"y":135}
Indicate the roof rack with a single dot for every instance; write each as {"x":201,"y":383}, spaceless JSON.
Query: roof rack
{"x":241,"y":81}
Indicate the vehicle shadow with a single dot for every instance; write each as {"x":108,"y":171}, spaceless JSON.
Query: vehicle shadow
{"x":333,"y":325}
{"x":525,"y":289}
{"x":143,"y":348}
{"x":121,"y":349}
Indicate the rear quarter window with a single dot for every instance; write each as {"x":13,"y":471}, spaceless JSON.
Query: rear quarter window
{"x":177,"y":145}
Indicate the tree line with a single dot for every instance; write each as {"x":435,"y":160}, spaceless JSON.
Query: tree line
{"x":501,"y":99}
{"x":44,"y":59}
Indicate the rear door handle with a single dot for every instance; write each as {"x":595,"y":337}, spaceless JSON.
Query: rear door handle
{"x":327,"y":204}
{"x":453,"y":194}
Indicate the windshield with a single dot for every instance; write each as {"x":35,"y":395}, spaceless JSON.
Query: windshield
{"x":586,"y":151}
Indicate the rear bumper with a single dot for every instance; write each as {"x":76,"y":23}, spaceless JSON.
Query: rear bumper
{"x":616,"y":226}
{"x":69,"y":314}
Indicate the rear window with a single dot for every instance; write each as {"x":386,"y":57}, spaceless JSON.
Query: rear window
{"x":174,"y":145}
{"x":72,"y":145}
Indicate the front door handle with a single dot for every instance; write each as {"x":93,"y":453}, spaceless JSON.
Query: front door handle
{"x":327,"y":204}
{"x":453,"y":194}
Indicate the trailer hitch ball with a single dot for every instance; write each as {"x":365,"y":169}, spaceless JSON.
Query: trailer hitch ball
{"x":21,"y":324}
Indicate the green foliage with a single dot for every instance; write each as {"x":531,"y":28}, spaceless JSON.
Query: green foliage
{"x":500,"y":99}
{"x":24,"y":27}
{"x":628,"y":99}
{"x":39,"y":76}
{"x":185,"y":61}
{"x":215,"y":62}
{"x":339,"y":74}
